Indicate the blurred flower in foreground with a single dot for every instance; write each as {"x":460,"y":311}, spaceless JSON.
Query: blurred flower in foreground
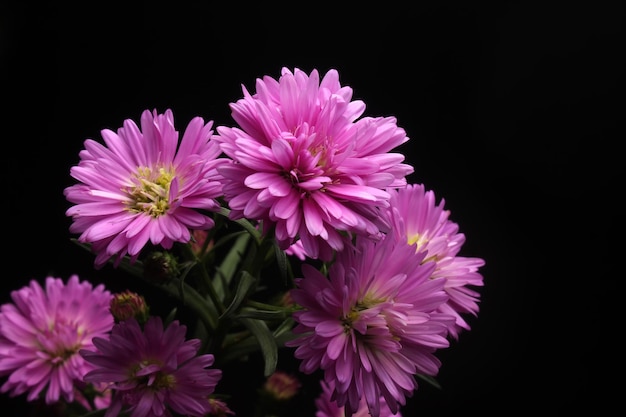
{"x":41,"y":334}
{"x":417,"y":220}
{"x":326,"y":407}
{"x":154,"y":370}
{"x":306,"y":164}
{"x":143,"y":187}
{"x":372,"y":324}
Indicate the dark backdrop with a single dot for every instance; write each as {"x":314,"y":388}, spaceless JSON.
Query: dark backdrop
{"x":513,"y":115}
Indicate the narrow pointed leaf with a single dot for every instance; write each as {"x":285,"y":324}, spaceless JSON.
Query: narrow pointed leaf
{"x":246,"y":284}
{"x":266,"y":341}
{"x":282,"y":263}
{"x":253,"y":313}
{"x":229,"y":266}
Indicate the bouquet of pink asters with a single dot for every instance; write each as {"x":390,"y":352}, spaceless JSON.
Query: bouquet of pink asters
{"x":294,"y":233}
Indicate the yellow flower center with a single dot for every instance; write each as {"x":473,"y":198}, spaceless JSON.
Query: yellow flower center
{"x":56,"y":335}
{"x":421,"y":241}
{"x":164,"y":381}
{"x":365,"y":303}
{"x":151,"y":192}
{"x":156,"y":380}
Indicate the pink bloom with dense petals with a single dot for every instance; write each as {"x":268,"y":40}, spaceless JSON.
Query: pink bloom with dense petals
{"x":144,"y":186}
{"x":418,"y":220}
{"x":371,"y":324}
{"x":307,"y":164}
{"x":42,"y":331}
{"x":326,"y":407}
{"x":153,"y":370}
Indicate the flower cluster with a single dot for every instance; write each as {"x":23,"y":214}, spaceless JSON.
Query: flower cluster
{"x":295,"y":232}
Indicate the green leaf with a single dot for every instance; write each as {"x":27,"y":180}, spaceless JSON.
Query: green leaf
{"x":246,"y":284}
{"x":239,"y":345}
{"x":170,"y":317}
{"x":266,"y":341}
{"x":230,"y":265}
{"x":253,"y":313}
{"x":285,"y":328}
{"x":282,"y":263}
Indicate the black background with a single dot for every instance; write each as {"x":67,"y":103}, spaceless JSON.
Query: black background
{"x":513,"y":114}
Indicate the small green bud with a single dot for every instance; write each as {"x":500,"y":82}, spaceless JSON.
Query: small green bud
{"x":160,"y":267}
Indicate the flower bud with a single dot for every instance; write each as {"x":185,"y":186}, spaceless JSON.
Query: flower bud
{"x":199,"y":245}
{"x":128,"y":304}
{"x":219,"y":408}
{"x":281,"y":386}
{"x":286,"y":300}
{"x":160,"y":267}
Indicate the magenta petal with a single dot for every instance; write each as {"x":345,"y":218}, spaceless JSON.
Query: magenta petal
{"x":336,"y":346}
{"x":261,"y":180}
{"x":287,"y":207}
{"x":313,"y":218}
{"x":329,"y":328}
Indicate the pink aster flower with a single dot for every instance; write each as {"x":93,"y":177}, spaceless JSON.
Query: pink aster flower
{"x":306,"y":163}
{"x":372,"y":324}
{"x":418,"y":220}
{"x":153,"y":371}
{"x":144,"y":186}
{"x":327,"y":407}
{"x":42,"y":331}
